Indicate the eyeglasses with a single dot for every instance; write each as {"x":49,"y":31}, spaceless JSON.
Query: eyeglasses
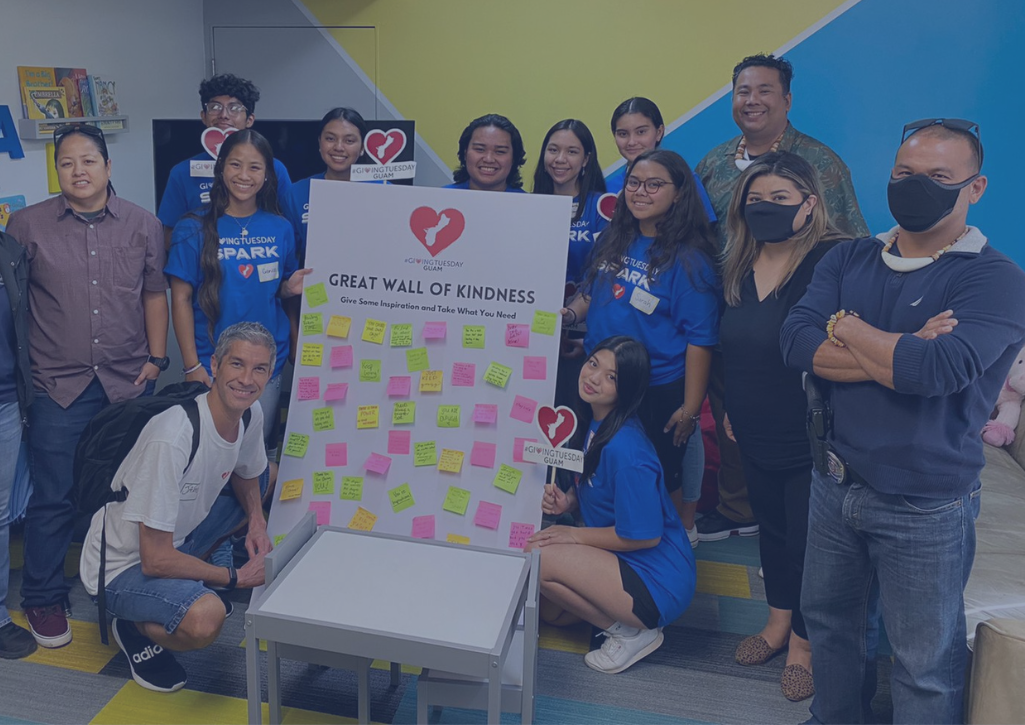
{"x":88,"y":130}
{"x":233,"y":109}
{"x":957,"y":124}
{"x":650,"y":185}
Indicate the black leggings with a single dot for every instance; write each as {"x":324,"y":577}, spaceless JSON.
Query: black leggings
{"x":660,"y":402}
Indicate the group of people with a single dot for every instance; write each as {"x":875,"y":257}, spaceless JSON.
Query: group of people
{"x":741,"y":279}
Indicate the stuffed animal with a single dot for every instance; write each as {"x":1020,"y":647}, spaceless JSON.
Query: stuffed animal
{"x":999,"y":431}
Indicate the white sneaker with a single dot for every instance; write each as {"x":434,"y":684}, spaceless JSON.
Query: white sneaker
{"x":692,"y":536}
{"x":619,"y":652}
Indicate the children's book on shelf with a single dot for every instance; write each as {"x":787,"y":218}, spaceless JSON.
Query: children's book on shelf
{"x":88,"y":109}
{"x":47,"y":103}
{"x":30,"y":76}
{"x":104,"y":96}
{"x":68,"y":79}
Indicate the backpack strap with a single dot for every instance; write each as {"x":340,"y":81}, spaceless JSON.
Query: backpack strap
{"x":192,"y":411}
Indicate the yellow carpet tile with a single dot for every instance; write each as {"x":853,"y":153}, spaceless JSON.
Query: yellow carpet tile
{"x":728,"y":580}
{"x":85,"y":653}
{"x":576,"y":639}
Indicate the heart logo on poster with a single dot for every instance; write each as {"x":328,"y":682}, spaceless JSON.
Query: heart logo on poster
{"x":212,"y":139}
{"x":607,"y":205}
{"x":556,"y":424}
{"x":384,"y":146}
{"x":618,"y":290}
{"x":245,"y":270}
{"x":436,"y":231}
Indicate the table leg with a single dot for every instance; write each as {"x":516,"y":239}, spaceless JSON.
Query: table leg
{"x":363,"y":691}
{"x":396,"y":674}
{"x":495,"y":691}
{"x":273,"y":683}
{"x":253,"y":695}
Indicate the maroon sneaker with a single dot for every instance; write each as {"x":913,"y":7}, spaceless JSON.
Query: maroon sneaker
{"x":49,"y":625}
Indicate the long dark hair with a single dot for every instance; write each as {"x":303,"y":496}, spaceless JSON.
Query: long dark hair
{"x":591,"y":179}
{"x":519,"y":155}
{"x":633,"y":370}
{"x":209,"y":295}
{"x":684,"y":229}
{"x":343,"y":113}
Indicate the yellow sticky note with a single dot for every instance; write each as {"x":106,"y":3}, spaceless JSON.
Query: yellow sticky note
{"x":291,"y":489}
{"x":338,"y":326}
{"x":297,"y":444}
{"x":352,"y":488}
{"x":401,"y":498}
{"x":544,"y":322}
{"x":403,"y":413}
{"x":370,"y":371}
{"x":401,"y":335}
{"x":373,"y":331}
{"x":448,"y":416}
{"x":316,"y":295}
{"x":473,"y":336}
{"x":312,"y":354}
{"x":367,"y":416}
{"x":323,"y":483}
{"x":362,"y":520}
{"x":508,"y":478}
{"x":425,"y":454}
{"x":277,"y":539}
{"x":431,"y":380}
{"x":313,"y":323}
{"x":416,"y":359}
{"x":497,"y":375}
{"x":451,"y":461}
{"x":456,"y":500}
{"x":457,"y":539}
{"x":323,"y":419}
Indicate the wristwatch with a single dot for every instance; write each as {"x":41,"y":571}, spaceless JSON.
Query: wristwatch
{"x":162,"y":363}
{"x":232,"y":578}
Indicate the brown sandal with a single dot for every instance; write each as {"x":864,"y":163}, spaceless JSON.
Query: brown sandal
{"x":754,"y":650}
{"x":796,"y":683}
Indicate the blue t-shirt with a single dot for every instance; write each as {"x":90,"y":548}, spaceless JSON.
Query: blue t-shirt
{"x":582,"y":236}
{"x":253,"y":269}
{"x":626,"y":491}
{"x":614,"y":184}
{"x":185,"y":193}
{"x":665,"y":315}
{"x":8,"y":350}
{"x":295,"y":205}
{"x":466,"y":185}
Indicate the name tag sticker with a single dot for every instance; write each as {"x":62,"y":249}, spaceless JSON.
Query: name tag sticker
{"x":643,"y":301}
{"x":202,"y":169}
{"x":269,"y":271}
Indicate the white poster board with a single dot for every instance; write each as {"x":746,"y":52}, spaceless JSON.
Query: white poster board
{"x":430,"y":317}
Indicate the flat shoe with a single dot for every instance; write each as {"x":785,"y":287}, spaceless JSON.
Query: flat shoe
{"x":754,"y":650}
{"x":796,"y":683}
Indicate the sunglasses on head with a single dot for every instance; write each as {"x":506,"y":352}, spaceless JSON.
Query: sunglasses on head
{"x":957,"y":124}
{"x":78,"y":128}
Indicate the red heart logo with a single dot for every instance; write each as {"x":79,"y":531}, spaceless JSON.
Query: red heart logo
{"x":618,"y":290}
{"x":607,"y":205}
{"x":384,"y":146}
{"x":212,"y":139}
{"x":556,"y":424}
{"x":435,"y":230}
{"x":245,"y":270}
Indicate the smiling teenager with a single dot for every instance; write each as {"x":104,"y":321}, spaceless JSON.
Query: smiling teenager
{"x":490,"y":156}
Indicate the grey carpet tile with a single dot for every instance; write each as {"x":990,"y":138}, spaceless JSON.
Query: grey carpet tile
{"x":703,"y":613}
{"x":756,"y":583}
{"x":44,"y":694}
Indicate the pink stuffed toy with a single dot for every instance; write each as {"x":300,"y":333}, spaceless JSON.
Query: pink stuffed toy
{"x":1000,"y":430}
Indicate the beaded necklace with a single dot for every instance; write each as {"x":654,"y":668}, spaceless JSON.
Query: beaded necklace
{"x":739,"y":157}
{"x":911,"y":264}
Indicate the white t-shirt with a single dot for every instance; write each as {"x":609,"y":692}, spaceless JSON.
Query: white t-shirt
{"x":159,"y":495}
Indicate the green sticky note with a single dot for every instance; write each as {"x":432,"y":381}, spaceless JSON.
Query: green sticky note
{"x":352,"y":488}
{"x":316,"y":295}
{"x":323,"y":483}
{"x":544,"y":322}
{"x":313,"y":323}
{"x":448,"y":416}
{"x":497,"y":375}
{"x":416,"y":359}
{"x":279,"y":538}
{"x":401,"y":335}
{"x":323,"y":419}
{"x":473,"y":336}
{"x":403,"y":413}
{"x":401,"y":498}
{"x":456,"y":500}
{"x":508,"y":478}
{"x":370,"y":371}
{"x":425,"y":454}
{"x":297,"y":445}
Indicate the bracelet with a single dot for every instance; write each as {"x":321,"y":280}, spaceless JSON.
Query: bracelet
{"x":570,"y":309}
{"x":831,"y":323}
{"x":194,"y":368}
{"x":695,"y":418}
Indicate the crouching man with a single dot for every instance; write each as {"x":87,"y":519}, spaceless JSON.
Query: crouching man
{"x":159,"y":588}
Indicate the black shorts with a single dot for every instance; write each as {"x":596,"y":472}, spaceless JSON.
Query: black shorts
{"x":644,"y":607}
{"x":660,"y":402}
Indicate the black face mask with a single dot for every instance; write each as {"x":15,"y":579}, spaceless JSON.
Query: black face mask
{"x":771,"y":223}
{"x":919,"y":203}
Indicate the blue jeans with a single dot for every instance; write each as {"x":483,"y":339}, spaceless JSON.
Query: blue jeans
{"x":921,"y":551}
{"x":693,"y":466}
{"x":10,"y":442}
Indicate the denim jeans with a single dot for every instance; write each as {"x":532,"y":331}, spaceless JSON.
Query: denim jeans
{"x":10,"y":442}
{"x":693,"y":466}
{"x":921,"y":551}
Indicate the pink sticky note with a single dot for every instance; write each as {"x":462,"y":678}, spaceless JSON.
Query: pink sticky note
{"x":535,"y":368}
{"x":336,"y":454}
{"x":323,"y":509}
{"x":376,"y":463}
{"x":423,"y":526}
{"x":464,"y":374}
{"x":484,"y":413}
{"x":309,"y":388}
{"x":488,"y":515}
{"x":518,"y":535}
{"x":336,"y":391}
{"x":341,"y":356}
{"x":523,"y":409}
{"x":398,"y":442}
{"x":399,"y":386}
{"x":518,"y":449}
{"x":434,"y":331}
{"x":517,"y":335}
{"x":483,"y":454}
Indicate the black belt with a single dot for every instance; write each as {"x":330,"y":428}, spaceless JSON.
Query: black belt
{"x":840,"y":472}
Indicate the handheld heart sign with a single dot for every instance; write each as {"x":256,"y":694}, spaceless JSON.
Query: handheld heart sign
{"x":213,"y":137}
{"x":384,"y":146}
{"x":557,"y":425}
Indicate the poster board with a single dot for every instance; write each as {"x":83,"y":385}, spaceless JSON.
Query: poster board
{"x":430,"y":317}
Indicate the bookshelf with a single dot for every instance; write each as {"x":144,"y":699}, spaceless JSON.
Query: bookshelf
{"x":41,"y":129}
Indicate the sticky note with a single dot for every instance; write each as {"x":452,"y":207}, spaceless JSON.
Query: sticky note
{"x":362,"y":520}
{"x":398,"y":442}
{"x":401,"y":498}
{"x":338,"y":326}
{"x":367,"y":416}
{"x":309,"y":388}
{"x":370,"y":371}
{"x":399,"y":386}
{"x":278,"y":539}
{"x":316,"y":295}
{"x":323,"y":419}
{"x":483,"y":454}
{"x":297,"y":445}
{"x":376,"y":463}
{"x":435,"y":331}
{"x":518,"y":444}
{"x":403,"y":413}
{"x":473,"y":336}
{"x":336,"y":391}
{"x":323,"y":510}
{"x":517,"y":335}
{"x":458,"y":539}
{"x":497,"y":375}
{"x":313,"y":323}
{"x":352,"y":488}
{"x":401,"y":335}
{"x":488,"y":515}
{"x":431,"y":381}
{"x":508,"y":478}
{"x":291,"y":489}
{"x":464,"y":374}
{"x":416,"y":359}
{"x":456,"y":500}
{"x":336,"y":454}
{"x":544,"y":322}
{"x":425,"y":454}
{"x":312,"y":354}
{"x":448,"y":416}
{"x":535,"y":368}
{"x":423,"y":526}
{"x":518,"y":535}
{"x":523,"y":409}
{"x":341,"y":356}
{"x":485,"y":413}
{"x":373,"y":331}
{"x":451,"y":461}
{"x":323,"y":483}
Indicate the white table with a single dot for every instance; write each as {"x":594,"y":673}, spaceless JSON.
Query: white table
{"x":343,"y":598}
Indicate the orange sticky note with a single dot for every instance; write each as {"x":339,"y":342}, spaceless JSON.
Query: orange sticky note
{"x":291,"y":489}
{"x":362,"y":520}
{"x":451,"y":461}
